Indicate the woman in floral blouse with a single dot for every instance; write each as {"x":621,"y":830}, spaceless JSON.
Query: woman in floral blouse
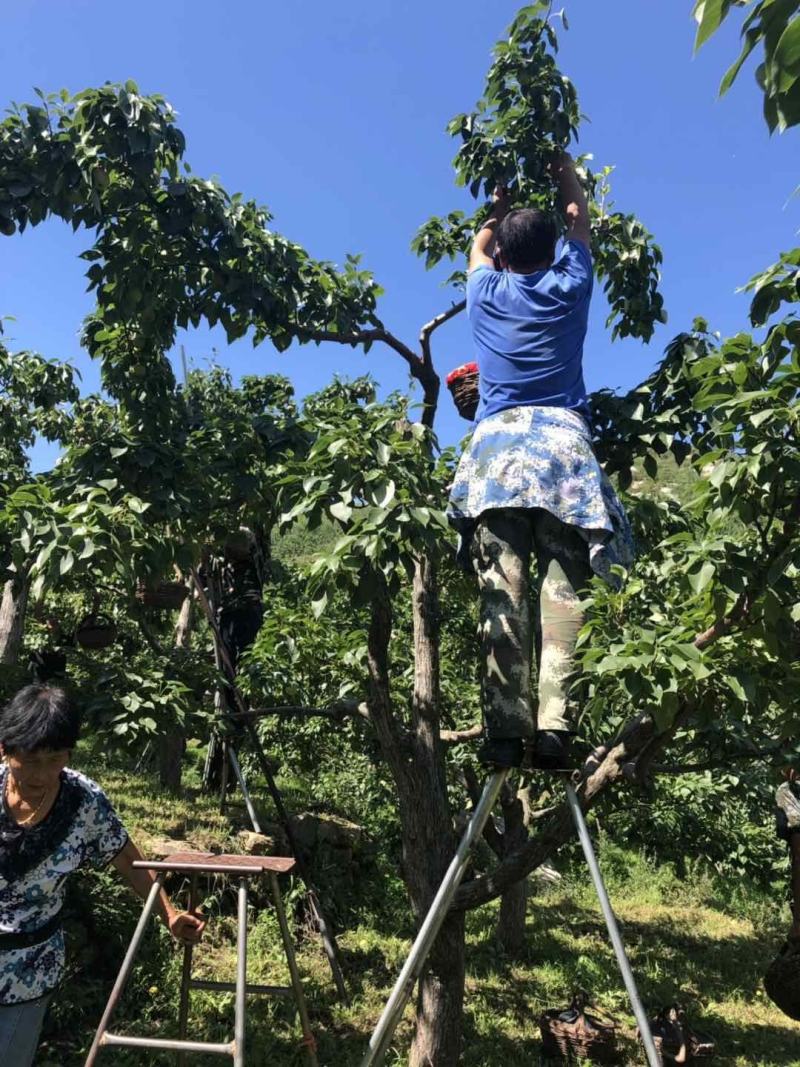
{"x":53,"y":820}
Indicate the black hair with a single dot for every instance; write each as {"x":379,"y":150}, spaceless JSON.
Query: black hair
{"x":527,"y":237}
{"x":39,"y":717}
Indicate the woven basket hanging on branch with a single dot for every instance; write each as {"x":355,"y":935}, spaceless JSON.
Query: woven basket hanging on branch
{"x":463,"y":385}
{"x":96,"y":631}
{"x":782,"y":980}
{"x":167,"y":596}
{"x":575,"y":1035}
{"x":676,"y":1041}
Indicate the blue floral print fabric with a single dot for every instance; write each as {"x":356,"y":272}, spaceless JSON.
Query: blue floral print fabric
{"x":541,"y":457}
{"x":80,"y":830}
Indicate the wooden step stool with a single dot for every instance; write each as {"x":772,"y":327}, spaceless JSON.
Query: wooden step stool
{"x":195,"y":864}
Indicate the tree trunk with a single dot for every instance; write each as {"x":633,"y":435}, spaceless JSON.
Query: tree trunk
{"x":416,"y":761}
{"x":12,"y":618}
{"x":440,"y":1002}
{"x":513,"y":903}
{"x":429,"y":841}
{"x":172,"y":748}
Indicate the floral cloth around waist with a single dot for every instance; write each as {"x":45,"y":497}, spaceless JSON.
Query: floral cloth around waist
{"x":542,"y":457}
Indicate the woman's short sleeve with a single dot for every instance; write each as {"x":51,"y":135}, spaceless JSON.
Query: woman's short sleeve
{"x":104,"y":836}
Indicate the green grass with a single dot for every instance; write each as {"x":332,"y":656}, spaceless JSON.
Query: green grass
{"x":690,"y":942}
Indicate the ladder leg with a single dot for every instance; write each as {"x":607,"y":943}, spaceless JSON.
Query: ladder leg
{"x":653,"y":1058}
{"x":223,"y":785}
{"x":186,"y":974}
{"x":324,"y":927}
{"x":297,"y":985}
{"x":387,"y":1024}
{"x":248,"y":800}
{"x":241,"y":977}
{"x":125,"y":969}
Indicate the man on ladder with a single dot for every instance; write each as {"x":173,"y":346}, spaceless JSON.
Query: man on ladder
{"x":528,"y":484}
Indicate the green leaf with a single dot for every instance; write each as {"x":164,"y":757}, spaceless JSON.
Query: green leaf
{"x":319,"y":605}
{"x":341,"y":511}
{"x":383,"y":453}
{"x":700,"y":579}
{"x":66,"y":562}
{"x":751,"y":39}
{"x":736,"y":687}
{"x":709,"y":15}
{"x":760,"y":417}
{"x":787,"y":54}
{"x":384,"y":494}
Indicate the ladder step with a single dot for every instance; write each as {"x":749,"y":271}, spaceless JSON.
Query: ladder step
{"x":172,"y":1046}
{"x":230,"y":987}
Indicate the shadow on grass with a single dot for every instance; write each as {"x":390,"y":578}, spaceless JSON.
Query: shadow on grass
{"x":567,"y":946}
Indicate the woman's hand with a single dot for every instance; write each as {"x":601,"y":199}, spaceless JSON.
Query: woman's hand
{"x":184,"y":926}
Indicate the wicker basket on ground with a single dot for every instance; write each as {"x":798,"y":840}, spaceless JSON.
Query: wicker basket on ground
{"x":167,"y":596}
{"x":782,"y":980}
{"x":576,"y":1035}
{"x":96,"y":631}
{"x":463,"y":385}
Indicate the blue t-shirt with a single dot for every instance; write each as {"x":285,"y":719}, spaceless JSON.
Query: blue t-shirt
{"x":529,"y":331}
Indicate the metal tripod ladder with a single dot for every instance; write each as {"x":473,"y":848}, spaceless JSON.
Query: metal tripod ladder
{"x":387,"y":1024}
{"x":231,"y":759}
{"x":196,"y":864}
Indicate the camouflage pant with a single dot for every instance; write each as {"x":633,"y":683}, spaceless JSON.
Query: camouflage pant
{"x":502,"y":546}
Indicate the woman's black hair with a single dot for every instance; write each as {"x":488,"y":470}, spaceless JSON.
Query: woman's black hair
{"x":39,"y":717}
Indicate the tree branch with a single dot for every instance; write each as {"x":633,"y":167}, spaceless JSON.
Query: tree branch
{"x":455,"y":737}
{"x":421,"y":369}
{"x":337,"y":712}
{"x":363,"y":337}
{"x":434,"y":324}
{"x":725,"y":760}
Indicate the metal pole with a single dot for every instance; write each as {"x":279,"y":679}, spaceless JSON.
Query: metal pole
{"x":241,"y":978}
{"x":186,"y":976}
{"x":210,"y":1048}
{"x":387,"y":1024}
{"x":653,"y":1058}
{"x":294,"y":973}
{"x":223,"y":785}
{"x":125,"y":969}
{"x":237,"y":770}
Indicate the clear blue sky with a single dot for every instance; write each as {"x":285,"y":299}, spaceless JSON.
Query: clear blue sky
{"x":333,"y":116}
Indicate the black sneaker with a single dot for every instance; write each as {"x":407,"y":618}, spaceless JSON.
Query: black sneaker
{"x":551,"y":750}
{"x":502,"y":752}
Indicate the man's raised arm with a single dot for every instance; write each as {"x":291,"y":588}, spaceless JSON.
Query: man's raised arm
{"x":483,"y":243}
{"x":573,"y":200}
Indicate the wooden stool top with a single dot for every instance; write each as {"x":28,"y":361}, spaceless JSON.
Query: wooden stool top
{"x":219,"y":863}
